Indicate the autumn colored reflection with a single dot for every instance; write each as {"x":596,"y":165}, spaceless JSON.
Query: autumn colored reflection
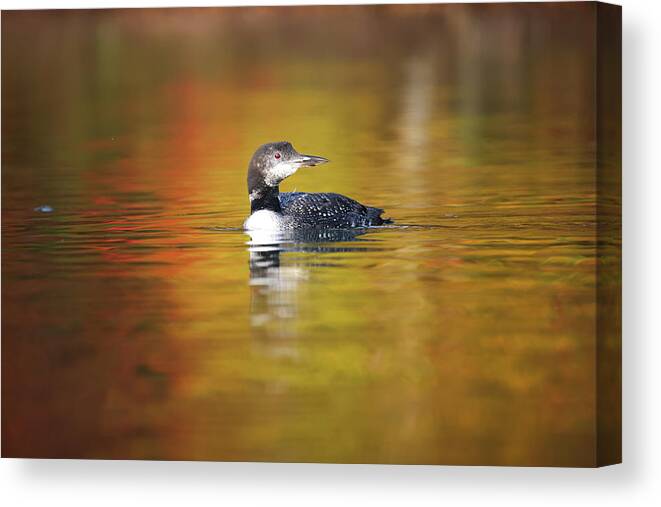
{"x":140,"y":322}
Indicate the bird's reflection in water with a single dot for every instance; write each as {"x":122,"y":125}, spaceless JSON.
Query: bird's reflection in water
{"x":280,"y":266}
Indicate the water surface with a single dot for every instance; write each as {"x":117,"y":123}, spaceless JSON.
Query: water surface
{"x":139,"y":321}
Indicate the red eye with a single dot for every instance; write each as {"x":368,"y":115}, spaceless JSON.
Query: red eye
{"x":277,"y":155}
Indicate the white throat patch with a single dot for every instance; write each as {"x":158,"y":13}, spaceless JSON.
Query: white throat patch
{"x":279,"y":172}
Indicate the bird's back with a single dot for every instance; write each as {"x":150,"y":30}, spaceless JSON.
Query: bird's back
{"x":328,"y":210}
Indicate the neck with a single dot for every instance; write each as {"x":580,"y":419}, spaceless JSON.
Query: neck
{"x":265,"y":198}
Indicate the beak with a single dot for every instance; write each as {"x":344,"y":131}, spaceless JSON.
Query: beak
{"x":308,"y":160}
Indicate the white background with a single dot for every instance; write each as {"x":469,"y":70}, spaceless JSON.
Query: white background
{"x":636,"y":482}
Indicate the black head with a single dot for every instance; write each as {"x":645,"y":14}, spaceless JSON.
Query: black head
{"x":273,"y":162}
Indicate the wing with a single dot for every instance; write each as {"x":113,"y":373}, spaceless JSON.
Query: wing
{"x":328,"y":210}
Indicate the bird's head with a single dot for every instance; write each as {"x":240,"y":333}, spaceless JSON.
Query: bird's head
{"x":273,"y":162}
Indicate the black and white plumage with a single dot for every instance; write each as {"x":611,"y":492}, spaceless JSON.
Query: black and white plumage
{"x":272,"y":210}
{"x":328,"y":210}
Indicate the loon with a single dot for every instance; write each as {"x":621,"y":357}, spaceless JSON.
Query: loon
{"x":272,"y":210}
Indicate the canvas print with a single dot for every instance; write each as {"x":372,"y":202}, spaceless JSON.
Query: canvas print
{"x":339,"y":234}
